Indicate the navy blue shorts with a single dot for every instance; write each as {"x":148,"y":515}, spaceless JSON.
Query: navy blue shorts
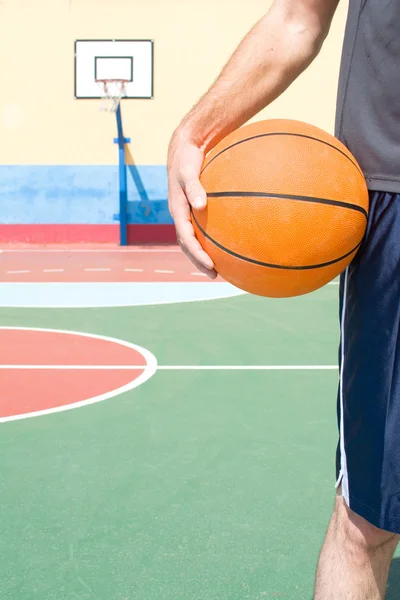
{"x":368,"y":454}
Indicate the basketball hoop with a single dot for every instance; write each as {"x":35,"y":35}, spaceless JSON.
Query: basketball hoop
{"x":113,"y":90}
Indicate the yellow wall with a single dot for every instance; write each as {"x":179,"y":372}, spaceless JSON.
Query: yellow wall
{"x":42,"y":123}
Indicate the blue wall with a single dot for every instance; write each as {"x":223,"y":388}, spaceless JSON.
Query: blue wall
{"x":81,"y":194}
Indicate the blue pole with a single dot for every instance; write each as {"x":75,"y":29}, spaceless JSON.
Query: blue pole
{"x":123,"y":188}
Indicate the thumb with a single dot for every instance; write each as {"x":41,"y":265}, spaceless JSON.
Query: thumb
{"x":195,"y":193}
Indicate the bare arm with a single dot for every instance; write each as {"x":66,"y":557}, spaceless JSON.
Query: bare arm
{"x":270,"y":57}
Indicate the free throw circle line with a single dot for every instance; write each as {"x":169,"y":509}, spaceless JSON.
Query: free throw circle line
{"x":149,"y":370}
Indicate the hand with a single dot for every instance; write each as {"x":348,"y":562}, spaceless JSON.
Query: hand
{"x":184,"y":190}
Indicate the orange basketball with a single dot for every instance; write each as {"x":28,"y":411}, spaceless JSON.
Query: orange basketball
{"x":287,"y":208}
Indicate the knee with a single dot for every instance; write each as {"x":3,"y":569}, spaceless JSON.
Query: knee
{"x":359,"y":534}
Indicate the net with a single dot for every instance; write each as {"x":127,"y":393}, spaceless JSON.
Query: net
{"x":113,"y":90}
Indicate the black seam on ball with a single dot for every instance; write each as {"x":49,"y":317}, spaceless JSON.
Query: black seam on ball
{"x":289,"y":197}
{"x":260,"y":135}
{"x":270,"y":265}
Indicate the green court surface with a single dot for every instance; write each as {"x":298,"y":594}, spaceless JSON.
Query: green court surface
{"x":196,"y":485}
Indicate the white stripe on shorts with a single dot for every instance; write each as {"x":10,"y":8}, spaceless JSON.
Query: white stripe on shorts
{"x":343,"y":476}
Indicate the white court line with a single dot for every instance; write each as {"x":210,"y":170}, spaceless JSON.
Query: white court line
{"x":53,"y":270}
{"x":246,"y":367}
{"x":162,"y":271}
{"x":199,"y":274}
{"x":176,"y":367}
{"x":134,"y":270}
{"x":97,"y":269}
{"x":16,"y":272}
{"x":76,"y":367}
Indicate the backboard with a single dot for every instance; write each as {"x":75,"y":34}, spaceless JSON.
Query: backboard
{"x":131,"y":60}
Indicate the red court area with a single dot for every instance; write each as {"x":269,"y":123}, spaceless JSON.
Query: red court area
{"x":43,"y":370}
{"x":100,"y":264}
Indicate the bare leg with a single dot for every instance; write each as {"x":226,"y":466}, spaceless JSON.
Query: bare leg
{"x":355,"y":558}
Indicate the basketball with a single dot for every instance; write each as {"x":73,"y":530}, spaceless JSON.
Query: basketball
{"x":287,"y":208}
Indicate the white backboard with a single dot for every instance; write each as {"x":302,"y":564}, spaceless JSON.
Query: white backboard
{"x":115,"y":59}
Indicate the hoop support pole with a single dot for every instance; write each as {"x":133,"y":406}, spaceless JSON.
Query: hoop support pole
{"x":123,"y":187}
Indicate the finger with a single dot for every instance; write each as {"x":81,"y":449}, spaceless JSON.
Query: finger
{"x":194,"y":191}
{"x":192,"y":247}
{"x":186,"y":235}
{"x":210,"y":273}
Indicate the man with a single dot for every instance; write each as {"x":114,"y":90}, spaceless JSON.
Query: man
{"x":364,"y":529}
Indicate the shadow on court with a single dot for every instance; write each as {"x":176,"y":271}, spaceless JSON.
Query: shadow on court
{"x":393,"y":590}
